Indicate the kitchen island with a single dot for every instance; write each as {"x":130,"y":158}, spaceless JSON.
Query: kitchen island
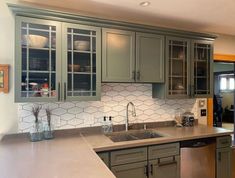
{"x":74,"y":155}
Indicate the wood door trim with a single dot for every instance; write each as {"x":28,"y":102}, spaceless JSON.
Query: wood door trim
{"x":217,"y":58}
{"x":224,"y":57}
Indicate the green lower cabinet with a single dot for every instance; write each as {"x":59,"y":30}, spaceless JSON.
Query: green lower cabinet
{"x":223,"y":162}
{"x":165,"y":167}
{"x":105,"y":158}
{"x":132,"y":170}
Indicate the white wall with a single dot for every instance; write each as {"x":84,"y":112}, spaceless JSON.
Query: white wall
{"x":224,"y":44}
{"x":8,"y":110}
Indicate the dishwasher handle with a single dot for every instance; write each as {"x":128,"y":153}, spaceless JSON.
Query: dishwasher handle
{"x":199,"y":144}
{"x":196,"y":143}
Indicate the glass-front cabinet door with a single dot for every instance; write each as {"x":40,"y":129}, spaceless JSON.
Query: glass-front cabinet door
{"x":81,"y":62}
{"x":177,"y":67}
{"x":37,"y":71}
{"x":202,"y":52}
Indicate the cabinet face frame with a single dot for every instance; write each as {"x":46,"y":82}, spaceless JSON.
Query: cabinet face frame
{"x":211,"y":77}
{"x":18,"y":58}
{"x":64,"y":89}
{"x":176,"y":96}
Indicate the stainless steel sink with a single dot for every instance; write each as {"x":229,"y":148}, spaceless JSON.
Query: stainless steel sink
{"x":133,"y":135}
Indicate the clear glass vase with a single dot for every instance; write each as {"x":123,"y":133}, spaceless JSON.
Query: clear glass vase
{"x":36,"y":132}
{"x":48,"y":131}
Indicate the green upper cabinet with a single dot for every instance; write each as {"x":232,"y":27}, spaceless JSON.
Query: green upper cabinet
{"x":202,"y":68}
{"x":149,"y":58}
{"x":48,"y":70}
{"x":188,"y":69}
{"x":37,"y":60}
{"x":132,"y":57}
{"x":118,"y":55}
{"x":81,"y":62}
{"x":177,"y":67}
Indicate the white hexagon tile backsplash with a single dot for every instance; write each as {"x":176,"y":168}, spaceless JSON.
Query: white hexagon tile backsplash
{"x":113,"y":103}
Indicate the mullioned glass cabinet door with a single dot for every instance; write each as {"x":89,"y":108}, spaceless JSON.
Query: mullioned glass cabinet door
{"x":81,"y":62}
{"x":202,"y":52}
{"x":177,"y":66}
{"x":37,"y":63}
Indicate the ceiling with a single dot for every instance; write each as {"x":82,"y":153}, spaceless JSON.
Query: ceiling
{"x":213,"y":16}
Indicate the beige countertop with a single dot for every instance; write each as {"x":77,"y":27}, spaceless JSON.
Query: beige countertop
{"x":74,"y":156}
{"x":100,"y":142}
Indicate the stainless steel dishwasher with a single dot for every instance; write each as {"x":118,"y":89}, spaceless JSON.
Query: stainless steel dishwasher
{"x":198,"y":158}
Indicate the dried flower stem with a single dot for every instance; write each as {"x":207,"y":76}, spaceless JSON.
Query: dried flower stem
{"x":48,"y":112}
{"x":35,"y":111}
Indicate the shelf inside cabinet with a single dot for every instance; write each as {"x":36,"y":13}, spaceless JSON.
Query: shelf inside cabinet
{"x":177,"y":76}
{"x":38,"y":29}
{"x":40,"y":49}
{"x":178,"y":59}
{"x":80,"y":34}
{"x":38,"y":71}
{"x":82,"y":73}
{"x":78,"y":51}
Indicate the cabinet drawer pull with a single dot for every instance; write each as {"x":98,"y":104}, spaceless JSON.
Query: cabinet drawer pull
{"x":59,"y":91}
{"x":151,"y":169}
{"x":167,"y":163}
{"x":146,"y":171}
{"x":225,"y":142}
{"x":65,"y":91}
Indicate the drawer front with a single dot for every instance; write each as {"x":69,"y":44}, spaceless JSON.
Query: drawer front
{"x":222,"y":142}
{"x":160,"y":151}
{"x":104,"y":157}
{"x":128,"y":156}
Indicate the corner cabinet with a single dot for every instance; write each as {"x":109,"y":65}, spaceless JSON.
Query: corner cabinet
{"x":188,"y":69}
{"x":56,"y":61}
{"x":130,"y":56}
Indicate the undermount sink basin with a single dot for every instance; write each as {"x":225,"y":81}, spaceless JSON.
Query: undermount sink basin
{"x":133,"y":135}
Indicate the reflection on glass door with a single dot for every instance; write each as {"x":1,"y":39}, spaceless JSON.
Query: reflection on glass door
{"x":38,"y":59}
{"x":177,"y":68}
{"x":202,"y":63}
{"x":81,"y":62}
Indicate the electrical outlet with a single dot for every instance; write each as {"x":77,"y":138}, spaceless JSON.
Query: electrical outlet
{"x":203,"y":112}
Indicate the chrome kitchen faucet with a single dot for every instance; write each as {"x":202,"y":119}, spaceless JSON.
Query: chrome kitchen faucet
{"x":127,"y":113}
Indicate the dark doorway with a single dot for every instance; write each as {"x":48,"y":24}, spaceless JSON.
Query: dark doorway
{"x":224,"y":95}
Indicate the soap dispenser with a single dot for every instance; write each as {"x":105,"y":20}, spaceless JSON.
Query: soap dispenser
{"x":110,"y":124}
{"x":105,"y":125}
